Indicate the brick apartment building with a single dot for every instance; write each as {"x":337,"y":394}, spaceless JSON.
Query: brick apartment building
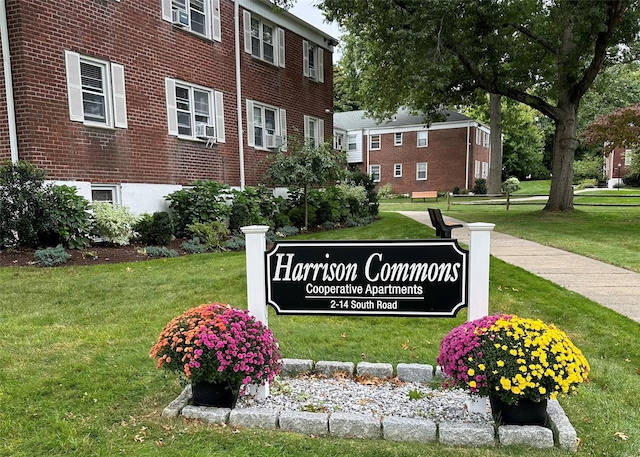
{"x":412,"y":157}
{"x":616,"y":166}
{"x":129,"y":100}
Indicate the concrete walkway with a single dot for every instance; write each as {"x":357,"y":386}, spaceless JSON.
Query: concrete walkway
{"x":608,"y":285}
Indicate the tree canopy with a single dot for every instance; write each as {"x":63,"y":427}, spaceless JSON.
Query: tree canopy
{"x":426,"y":54}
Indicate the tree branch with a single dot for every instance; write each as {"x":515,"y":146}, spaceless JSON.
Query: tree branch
{"x":544,"y":43}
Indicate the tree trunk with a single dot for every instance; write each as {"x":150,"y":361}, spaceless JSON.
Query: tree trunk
{"x":495,"y":165}
{"x":565,"y":144}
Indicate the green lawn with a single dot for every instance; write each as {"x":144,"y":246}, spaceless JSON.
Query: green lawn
{"x":76,"y":378}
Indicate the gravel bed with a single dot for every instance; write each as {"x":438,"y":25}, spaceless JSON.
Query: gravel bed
{"x":375,"y":397}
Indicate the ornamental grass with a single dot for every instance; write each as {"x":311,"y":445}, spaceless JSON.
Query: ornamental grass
{"x":511,"y":358}
{"x":217,"y":343}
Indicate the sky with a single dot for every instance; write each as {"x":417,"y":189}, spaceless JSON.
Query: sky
{"x":306,"y":10}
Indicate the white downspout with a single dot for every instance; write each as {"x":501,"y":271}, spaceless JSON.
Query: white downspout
{"x":466,"y":185}
{"x":8,"y":82}
{"x":236,"y":20}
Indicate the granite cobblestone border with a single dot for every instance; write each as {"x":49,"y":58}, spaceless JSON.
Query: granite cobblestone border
{"x":560,"y":434}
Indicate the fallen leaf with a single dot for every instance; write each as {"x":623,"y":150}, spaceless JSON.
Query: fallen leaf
{"x":627,"y":360}
{"x":621,"y":435}
{"x":343,"y":335}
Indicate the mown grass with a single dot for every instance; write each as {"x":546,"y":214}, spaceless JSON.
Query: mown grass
{"x":76,"y":380}
{"x":607,"y":233}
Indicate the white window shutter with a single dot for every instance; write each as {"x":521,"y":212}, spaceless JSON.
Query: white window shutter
{"x":246,"y":23}
{"x":119,"y":96}
{"x":216,"y":32}
{"x":166,"y":10}
{"x":320,"y":131}
{"x":320,"y":65}
{"x":305,"y":58}
{"x":251,"y":139}
{"x":306,"y":128}
{"x":74,"y":86}
{"x":219,"y":117}
{"x":281,"y":47}
{"x":283,"y":128}
{"x":172,"y":112}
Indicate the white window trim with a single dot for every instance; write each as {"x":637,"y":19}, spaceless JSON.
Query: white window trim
{"x":281,"y":124}
{"x":426,"y":133}
{"x":115,"y":192}
{"x":212,"y":17}
{"x":397,"y":142}
{"x":338,"y":141}
{"x":319,"y":61}
{"x":418,"y":178}
{"x":319,"y":130}
{"x":485,"y":140}
{"x":278,"y":40}
{"x":377,"y":167}
{"x":114,"y":92}
{"x":485,"y":170}
{"x":476,"y":173}
{"x":478,"y":136}
{"x":216,"y":115}
{"x":397,"y":170}
{"x":371,"y":147}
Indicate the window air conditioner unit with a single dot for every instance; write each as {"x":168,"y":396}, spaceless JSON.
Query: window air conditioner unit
{"x":312,"y":73}
{"x":273,"y":141}
{"x":180,"y":18}
{"x":205,"y":132}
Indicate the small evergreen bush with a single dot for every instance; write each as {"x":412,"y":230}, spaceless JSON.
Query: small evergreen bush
{"x":160,"y":251}
{"x":154,"y":229}
{"x":288,"y":230}
{"x":480,"y":187}
{"x":51,"y":257}
{"x":114,"y":224}
{"x":193,"y":246}
{"x":236,"y":243}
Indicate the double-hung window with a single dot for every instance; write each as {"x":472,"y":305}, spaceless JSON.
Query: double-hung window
{"x":423,"y":139}
{"x":96,"y":91}
{"x":194,"y":112}
{"x":338,"y":141}
{"x":628,"y":157}
{"x":397,"y":170}
{"x":374,"y":142}
{"x":374,"y":172}
{"x":485,"y":170}
{"x":421,"y":171}
{"x":485,"y":140}
{"x":263,"y":40}
{"x":198,"y":16}
{"x":266,"y":126}
{"x":312,"y":61}
{"x":313,"y":130}
{"x":397,"y":139}
{"x":352,"y":143}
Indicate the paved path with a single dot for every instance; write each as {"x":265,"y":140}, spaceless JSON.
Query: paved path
{"x":608,"y":285}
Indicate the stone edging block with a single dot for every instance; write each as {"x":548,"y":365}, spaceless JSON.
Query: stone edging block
{"x":408,"y":429}
{"x":305,"y":422}
{"x":345,"y":425}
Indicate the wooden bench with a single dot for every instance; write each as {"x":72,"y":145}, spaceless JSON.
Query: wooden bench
{"x":424,"y":195}
{"x":443,"y":230}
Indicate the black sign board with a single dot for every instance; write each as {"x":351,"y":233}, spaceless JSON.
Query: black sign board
{"x":368,"y":278}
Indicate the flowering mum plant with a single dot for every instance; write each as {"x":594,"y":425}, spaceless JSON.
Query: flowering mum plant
{"x":218,"y":343}
{"x":512,"y":358}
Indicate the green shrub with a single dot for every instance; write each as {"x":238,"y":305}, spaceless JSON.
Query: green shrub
{"x":212,"y":234}
{"x":510,"y":185}
{"x":288,"y":230}
{"x":587,"y":168}
{"x":480,"y":187}
{"x":193,"y":246}
{"x":25,"y":216}
{"x":359,"y":178}
{"x":587,"y":184}
{"x":160,"y":251}
{"x":51,"y":257}
{"x":385,"y":191}
{"x":328,"y":225}
{"x":632,"y":180}
{"x":114,"y":224}
{"x":205,"y":201}
{"x":236,"y":243}
{"x":154,"y":228}
{"x":72,"y":221}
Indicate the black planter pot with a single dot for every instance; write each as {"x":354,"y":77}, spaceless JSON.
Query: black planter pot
{"x":219,"y":395}
{"x":525,"y":412}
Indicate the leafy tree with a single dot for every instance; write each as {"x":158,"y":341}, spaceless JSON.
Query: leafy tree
{"x":437,"y":52}
{"x":305,"y":166}
{"x":346,"y":77}
{"x":620,"y":128}
{"x":523,"y":139}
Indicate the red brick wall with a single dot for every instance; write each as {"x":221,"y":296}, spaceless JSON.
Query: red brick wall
{"x":446,"y":157}
{"x":133,"y":34}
